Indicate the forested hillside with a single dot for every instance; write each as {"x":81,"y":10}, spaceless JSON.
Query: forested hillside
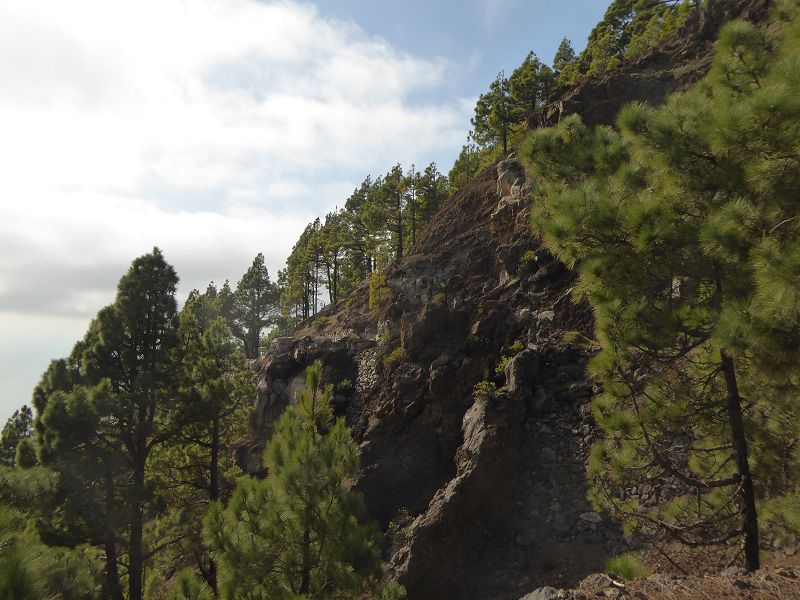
{"x":575,"y":353}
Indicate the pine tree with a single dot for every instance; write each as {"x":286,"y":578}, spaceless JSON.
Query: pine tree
{"x":255,"y":306}
{"x":566,"y":67}
{"x":465,"y":167}
{"x":433,"y":191}
{"x":529,"y":86}
{"x":494,"y":115}
{"x":18,"y":427}
{"x":216,"y":397}
{"x":298,"y":533}
{"x":684,"y":230}
{"x":101,"y":433}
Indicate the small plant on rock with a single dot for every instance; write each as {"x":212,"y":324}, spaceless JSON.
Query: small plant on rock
{"x":476,"y":343}
{"x":321,"y":323}
{"x":484,"y":389}
{"x":400,"y":527}
{"x":626,"y":567}
{"x":395,"y":356}
{"x":378,"y":290}
{"x":439,"y":299}
{"x":516,"y":347}
{"x":500,"y":369}
{"x":528,"y":260}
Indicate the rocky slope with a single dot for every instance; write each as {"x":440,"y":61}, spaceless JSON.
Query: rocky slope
{"x":494,"y":482}
{"x":678,"y":63}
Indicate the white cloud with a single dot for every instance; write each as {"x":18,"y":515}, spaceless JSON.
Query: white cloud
{"x":212,"y":128}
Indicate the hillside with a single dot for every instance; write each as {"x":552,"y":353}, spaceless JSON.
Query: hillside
{"x":494,"y":481}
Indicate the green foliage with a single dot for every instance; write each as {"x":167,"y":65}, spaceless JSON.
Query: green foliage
{"x":185,"y":585}
{"x":528,"y":260}
{"x":566,"y":67}
{"x":31,"y":570}
{"x":494,"y":115}
{"x":484,"y":390}
{"x":252,"y":308}
{"x":466,"y":165}
{"x":529,"y":86}
{"x":629,"y":28}
{"x":516,"y":347}
{"x":385,"y":336}
{"x":380,"y":223}
{"x":476,"y":343}
{"x":500,"y":369}
{"x":400,"y":527}
{"x":683,"y":229}
{"x":395,"y":357}
{"x":26,"y":454}
{"x":626,"y":567}
{"x":98,"y":426}
{"x":378,"y":290}
{"x":345,"y":385}
{"x":439,"y":299}
{"x":18,"y":427}
{"x":321,"y":322}
{"x":298,"y":533}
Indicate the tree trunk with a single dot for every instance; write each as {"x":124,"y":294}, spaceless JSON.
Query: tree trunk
{"x":747,"y":493}
{"x":399,"y":230}
{"x":214,"y":493}
{"x":136,"y":556}
{"x":113,"y":586}
{"x":305,"y":573}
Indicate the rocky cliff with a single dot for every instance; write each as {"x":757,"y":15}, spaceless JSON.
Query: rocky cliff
{"x":494,"y":481}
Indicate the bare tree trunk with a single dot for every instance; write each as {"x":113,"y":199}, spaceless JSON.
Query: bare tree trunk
{"x":113,"y":587}
{"x":747,"y":493}
{"x":214,"y":493}
{"x":136,"y":556}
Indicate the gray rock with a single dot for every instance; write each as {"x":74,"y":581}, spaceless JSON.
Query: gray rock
{"x":591,"y":517}
{"x":544,"y":593}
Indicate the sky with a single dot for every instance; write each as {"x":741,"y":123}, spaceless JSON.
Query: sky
{"x":217,"y":129}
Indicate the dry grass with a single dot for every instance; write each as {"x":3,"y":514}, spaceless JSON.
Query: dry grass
{"x":777,"y":584}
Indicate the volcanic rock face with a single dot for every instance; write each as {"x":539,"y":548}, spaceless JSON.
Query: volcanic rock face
{"x":496,"y":481}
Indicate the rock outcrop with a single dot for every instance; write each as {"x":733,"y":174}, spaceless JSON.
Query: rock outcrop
{"x":495,"y":481}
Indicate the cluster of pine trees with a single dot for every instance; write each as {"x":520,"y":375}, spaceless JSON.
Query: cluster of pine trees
{"x":379,"y":224}
{"x":684,"y":225}
{"x":130,"y":447}
{"x":629,"y":28}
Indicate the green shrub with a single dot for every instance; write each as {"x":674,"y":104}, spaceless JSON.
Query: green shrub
{"x":626,"y":567}
{"x":378,"y":290}
{"x":400,"y":527}
{"x":484,"y":389}
{"x":476,"y":342}
{"x":516,"y":347}
{"x":528,"y":260}
{"x":384,"y":337}
{"x":500,"y":369}
{"x":395,"y":356}
{"x":321,"y":323}
{"x":439,"y":299}
{"x":345,"y":385}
